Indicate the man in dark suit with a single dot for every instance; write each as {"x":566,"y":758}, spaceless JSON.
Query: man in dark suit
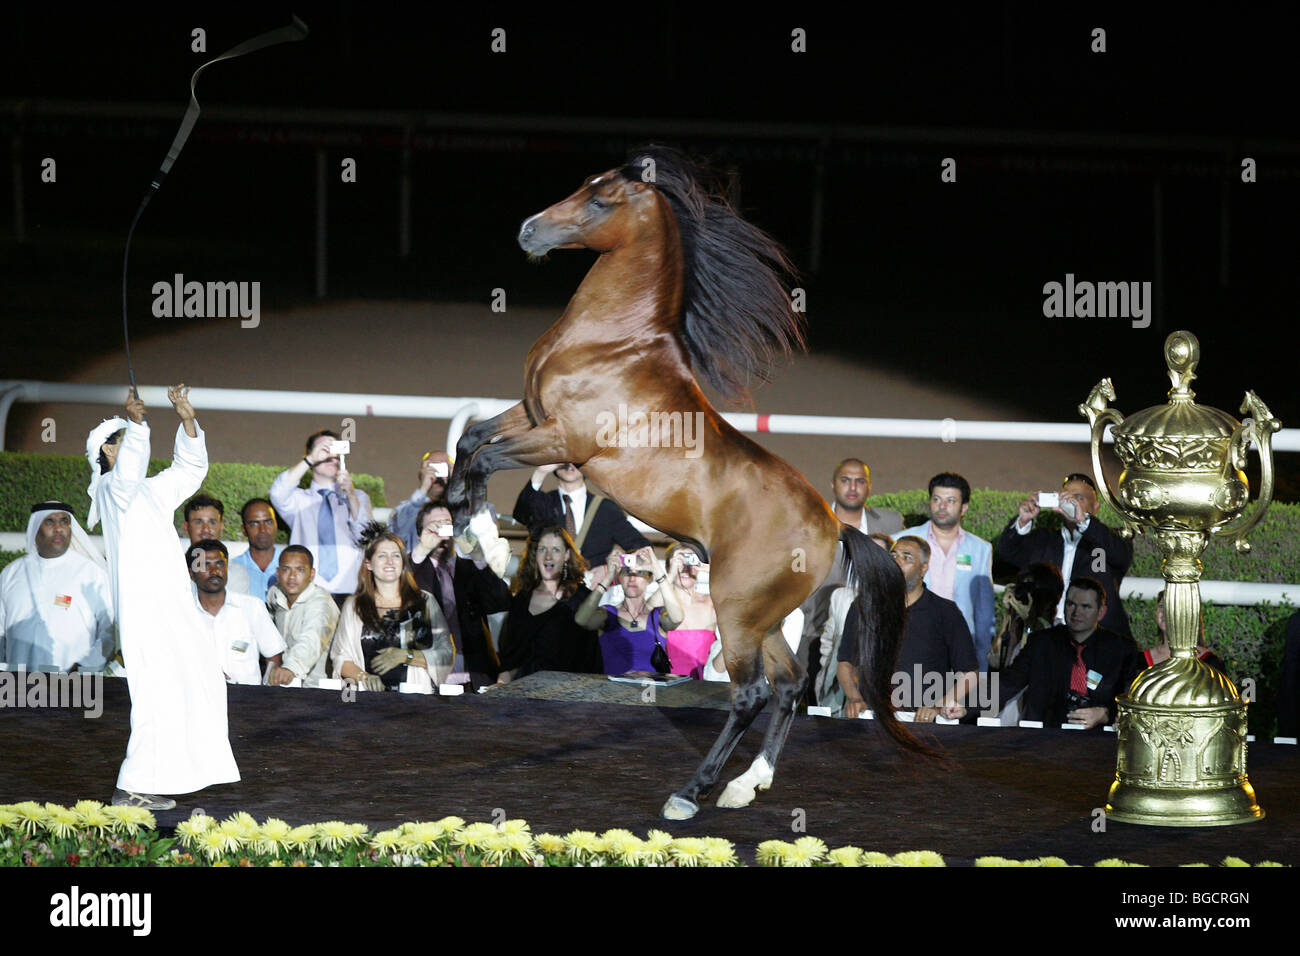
{"x":1083,"y":546}
{"x":1072,"y":673}
{"x":594,"y":522}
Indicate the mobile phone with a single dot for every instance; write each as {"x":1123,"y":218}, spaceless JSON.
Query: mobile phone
{"x":690,"y":559}
{"x":445,"y":530}
{"x":440,"y":469}
{"x":340,"y":447}
{"x":1049,"y":499}
{"x":627,"y":560}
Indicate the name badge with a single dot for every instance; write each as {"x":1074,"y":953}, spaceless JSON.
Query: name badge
{"x":240,"y":646}
{"x":963,"y":562}
{"x":63,"y":600}
{"x":1094,"y":679}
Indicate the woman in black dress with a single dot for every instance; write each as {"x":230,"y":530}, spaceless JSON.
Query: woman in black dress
{"x":539,"y":632}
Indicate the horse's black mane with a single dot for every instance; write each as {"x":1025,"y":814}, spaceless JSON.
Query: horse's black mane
{"x":737,"y":316}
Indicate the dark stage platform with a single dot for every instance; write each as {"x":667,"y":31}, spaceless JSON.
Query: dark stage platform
{"x":307,"y":755}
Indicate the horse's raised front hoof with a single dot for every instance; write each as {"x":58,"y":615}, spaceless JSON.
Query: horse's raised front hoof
{"x":679,"y":808}
{"x":738,"y":794}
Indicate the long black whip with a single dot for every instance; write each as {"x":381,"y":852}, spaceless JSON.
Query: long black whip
{"x":297,"y":30}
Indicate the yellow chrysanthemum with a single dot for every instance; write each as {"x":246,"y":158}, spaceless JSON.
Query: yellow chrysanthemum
{"x":845,"y":856}
{"x":494,"y":847}
{"x":450,"y":825}
{"x":301,"y":838}
{"x":215,"y":842}
{"x":271,"y":835}
{"x":918,"y":858}
{"x":1227,"y":860}
{"x":61,"y":821}
{"x":654,"y":849}
{"x":772,"y":853}
{"x":131,"y":820}
{"x":358,"y":832}
{"x":415,"y":837}
{"x":687,"y":851}
{"x":333,"y":834}
{"x":514,"y":826}
{"x":474,"y":835}
{"x":190,"y":829}
{"x":994,"y":861}
{"x":9,"y":820}
{"x":874,"y":858}
{"x":1047,"y":861}
{"x":30,"y":815}
{"x":719,"y":852}
{"x":92,"y":815}
{"x":521,"y":844}
{"x":551,"y":844}
{"x":1113,"y":861}
{"x":805,"y":851}
{"x":1269,"y":863}
{"x":583,"y":844}
{"x":387,"y":841}
{"x":622,"y":845}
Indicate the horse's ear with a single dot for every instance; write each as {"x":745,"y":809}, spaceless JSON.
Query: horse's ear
{"x":635,"y":186}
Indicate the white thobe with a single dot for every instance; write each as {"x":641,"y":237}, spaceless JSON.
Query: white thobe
{"x":55,"y":613}
{"x":179,"y":739}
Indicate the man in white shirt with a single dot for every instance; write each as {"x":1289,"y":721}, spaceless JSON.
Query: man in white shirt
{"x":326,"y":517}
{"x":237,"y":625}
{"x":305,"y":615}
{"x":56,"y":608}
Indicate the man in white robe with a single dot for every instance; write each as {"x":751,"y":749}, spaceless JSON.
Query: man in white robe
{"x":179,"y":739}
{"x":56,"y":610}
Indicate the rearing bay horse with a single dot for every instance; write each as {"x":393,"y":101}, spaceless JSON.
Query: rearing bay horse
{"x":684,"y":286}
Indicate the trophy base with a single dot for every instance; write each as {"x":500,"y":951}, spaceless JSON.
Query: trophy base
{"x":1147,"y":806}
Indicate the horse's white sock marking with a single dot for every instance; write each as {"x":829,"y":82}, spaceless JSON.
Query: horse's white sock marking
{"x":740,"y":792}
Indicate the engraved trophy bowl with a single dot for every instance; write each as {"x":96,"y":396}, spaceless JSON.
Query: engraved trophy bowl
{"x":1182,"y":725}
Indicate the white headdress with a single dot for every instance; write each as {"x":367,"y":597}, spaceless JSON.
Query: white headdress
{"x":80,"y":542}
{"x":101,"y":433}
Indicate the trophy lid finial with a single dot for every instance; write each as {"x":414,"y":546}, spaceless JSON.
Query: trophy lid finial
{"x":1182,"y":355}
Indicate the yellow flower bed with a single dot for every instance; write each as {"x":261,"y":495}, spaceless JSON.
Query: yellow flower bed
{"x":90,"y":833}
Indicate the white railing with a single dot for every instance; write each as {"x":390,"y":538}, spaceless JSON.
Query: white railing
{"x":461,"y":410}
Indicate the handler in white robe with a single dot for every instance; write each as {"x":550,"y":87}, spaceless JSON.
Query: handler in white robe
{"x":179,"y":739}
{"x":56,"y":612}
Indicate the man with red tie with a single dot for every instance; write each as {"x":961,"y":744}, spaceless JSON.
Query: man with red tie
{"x":1072,"y":673}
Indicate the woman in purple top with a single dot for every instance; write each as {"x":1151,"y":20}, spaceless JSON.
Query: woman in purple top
{"x":630,"y":630}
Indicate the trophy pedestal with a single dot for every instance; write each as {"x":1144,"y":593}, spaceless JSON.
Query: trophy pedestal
{"x":1182,"y":750}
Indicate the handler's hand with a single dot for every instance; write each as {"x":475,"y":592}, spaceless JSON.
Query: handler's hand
{"x":134,"y":408}
{"x":280,"y":676}
{"x":854,"y":707}
{"x":179,"y":396}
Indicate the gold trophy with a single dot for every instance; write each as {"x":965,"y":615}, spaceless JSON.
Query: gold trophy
{"x":1182,"y":725}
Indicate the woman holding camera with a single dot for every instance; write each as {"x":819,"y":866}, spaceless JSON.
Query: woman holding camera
{"x":630,"y":631}
{"x":390,"y":632}
{"x":688,"y":644}
{"x":540,"y":633}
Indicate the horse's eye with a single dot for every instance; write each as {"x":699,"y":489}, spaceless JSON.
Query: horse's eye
{"x":596,"y":203}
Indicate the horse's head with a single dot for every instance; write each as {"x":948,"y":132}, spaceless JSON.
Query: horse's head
{"x":597,"y":216}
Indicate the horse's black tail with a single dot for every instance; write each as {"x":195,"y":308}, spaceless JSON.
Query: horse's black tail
{"x":879,"y":595}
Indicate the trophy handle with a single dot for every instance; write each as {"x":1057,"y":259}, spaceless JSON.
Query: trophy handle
{"x":1099,"y":413}
{"x":1259,"y":428}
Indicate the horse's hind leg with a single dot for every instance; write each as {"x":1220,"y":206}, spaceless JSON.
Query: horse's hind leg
{"x":786,"y":678}
{"x":748,"y":698}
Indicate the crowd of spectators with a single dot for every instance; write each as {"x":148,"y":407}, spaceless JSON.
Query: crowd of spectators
{"x":411,"y":605}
